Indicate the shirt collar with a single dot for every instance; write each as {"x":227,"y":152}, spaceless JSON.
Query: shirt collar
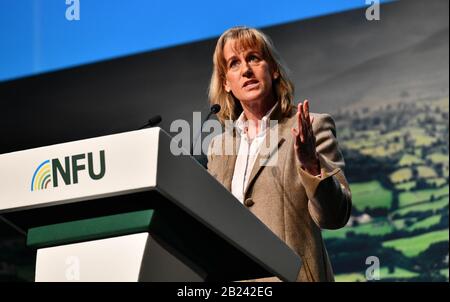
{"x":241,"y":122}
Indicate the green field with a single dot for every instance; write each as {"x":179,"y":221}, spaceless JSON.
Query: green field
{"x":351,"y":277}
{"x":418,"y":152}
{"x":398,"y":273}
{"x":416,"y":131}
{"x":382,"y":149}
{"x":391,"y":135}
{"x":437,"y":181}
{"x":357,"y":144}
{"x":426,"y":172}
{"x":401,"y":175}
{"x":424,"y":140}
{"x":408,"y":198}
{"x":376,"y":228}
{"x":420,"y":137}
{"x":373,"y":134}
{"x":409,"y":160}
{"x":371,"y":195}
{"x":438,"y":158}
{"x":340,"y":233}
{"x":399,"y":223}
{"x":425,"y":223}
{"x":406,"y":186}
{"x":435,"y":205}
{"x":413,"y":246}
{"x":442,"y":104}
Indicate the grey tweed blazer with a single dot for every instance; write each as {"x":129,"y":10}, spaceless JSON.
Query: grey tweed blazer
{"x":292,"y":203}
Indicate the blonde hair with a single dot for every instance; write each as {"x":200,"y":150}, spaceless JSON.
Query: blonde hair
{"x":247,"y":38}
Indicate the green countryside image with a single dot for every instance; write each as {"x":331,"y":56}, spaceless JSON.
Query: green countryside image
{"x":398,"y":167}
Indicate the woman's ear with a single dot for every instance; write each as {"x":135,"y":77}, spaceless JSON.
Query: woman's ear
{"x":276,"y":74}
{"x":227,"y":87}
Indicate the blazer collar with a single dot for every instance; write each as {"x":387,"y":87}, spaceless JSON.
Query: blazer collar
{"x":264,"y":158}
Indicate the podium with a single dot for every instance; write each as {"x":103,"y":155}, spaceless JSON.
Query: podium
{"x":123,"y":207}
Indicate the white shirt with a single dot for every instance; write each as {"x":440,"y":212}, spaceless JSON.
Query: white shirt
{"x":247,"y":154}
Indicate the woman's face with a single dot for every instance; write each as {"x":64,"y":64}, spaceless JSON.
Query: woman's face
{"x":248,"y":76}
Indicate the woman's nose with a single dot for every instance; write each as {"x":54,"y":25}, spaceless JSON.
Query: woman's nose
{"x":247,"y":70}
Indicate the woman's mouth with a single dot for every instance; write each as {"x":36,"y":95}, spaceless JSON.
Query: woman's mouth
{"x":250,"y":84}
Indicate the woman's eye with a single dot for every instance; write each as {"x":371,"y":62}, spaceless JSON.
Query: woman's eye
{"x":233,"y":63}
{"x":253,"y":58}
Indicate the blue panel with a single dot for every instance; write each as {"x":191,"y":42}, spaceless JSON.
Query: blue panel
{"x":35,"y":35}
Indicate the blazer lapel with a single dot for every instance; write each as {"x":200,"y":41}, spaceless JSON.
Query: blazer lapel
{"x":229,"y":161}
{"x":264,"y":158}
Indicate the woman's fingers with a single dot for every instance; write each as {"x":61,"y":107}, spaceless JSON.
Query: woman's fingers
{"x":307,"y":118}
{"x":300,"y":122}
{"x":304,"y":137}
{"x":306,"y":108}
{"x":305,"y":124}
{"x":304,"y":120}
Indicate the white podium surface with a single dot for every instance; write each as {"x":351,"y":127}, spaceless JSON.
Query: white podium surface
{"x":116,"y":259}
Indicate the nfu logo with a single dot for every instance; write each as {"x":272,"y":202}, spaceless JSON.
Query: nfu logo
{"x":46,"y":174}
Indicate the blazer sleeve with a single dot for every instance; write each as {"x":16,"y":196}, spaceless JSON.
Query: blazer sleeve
{"x":329,"y":194}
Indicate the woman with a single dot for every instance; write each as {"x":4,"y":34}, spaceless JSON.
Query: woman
{"x":305,"y":189}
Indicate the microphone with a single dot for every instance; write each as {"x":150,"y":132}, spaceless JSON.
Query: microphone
{"x":152,"y":122}
{"x":213,"y":110}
